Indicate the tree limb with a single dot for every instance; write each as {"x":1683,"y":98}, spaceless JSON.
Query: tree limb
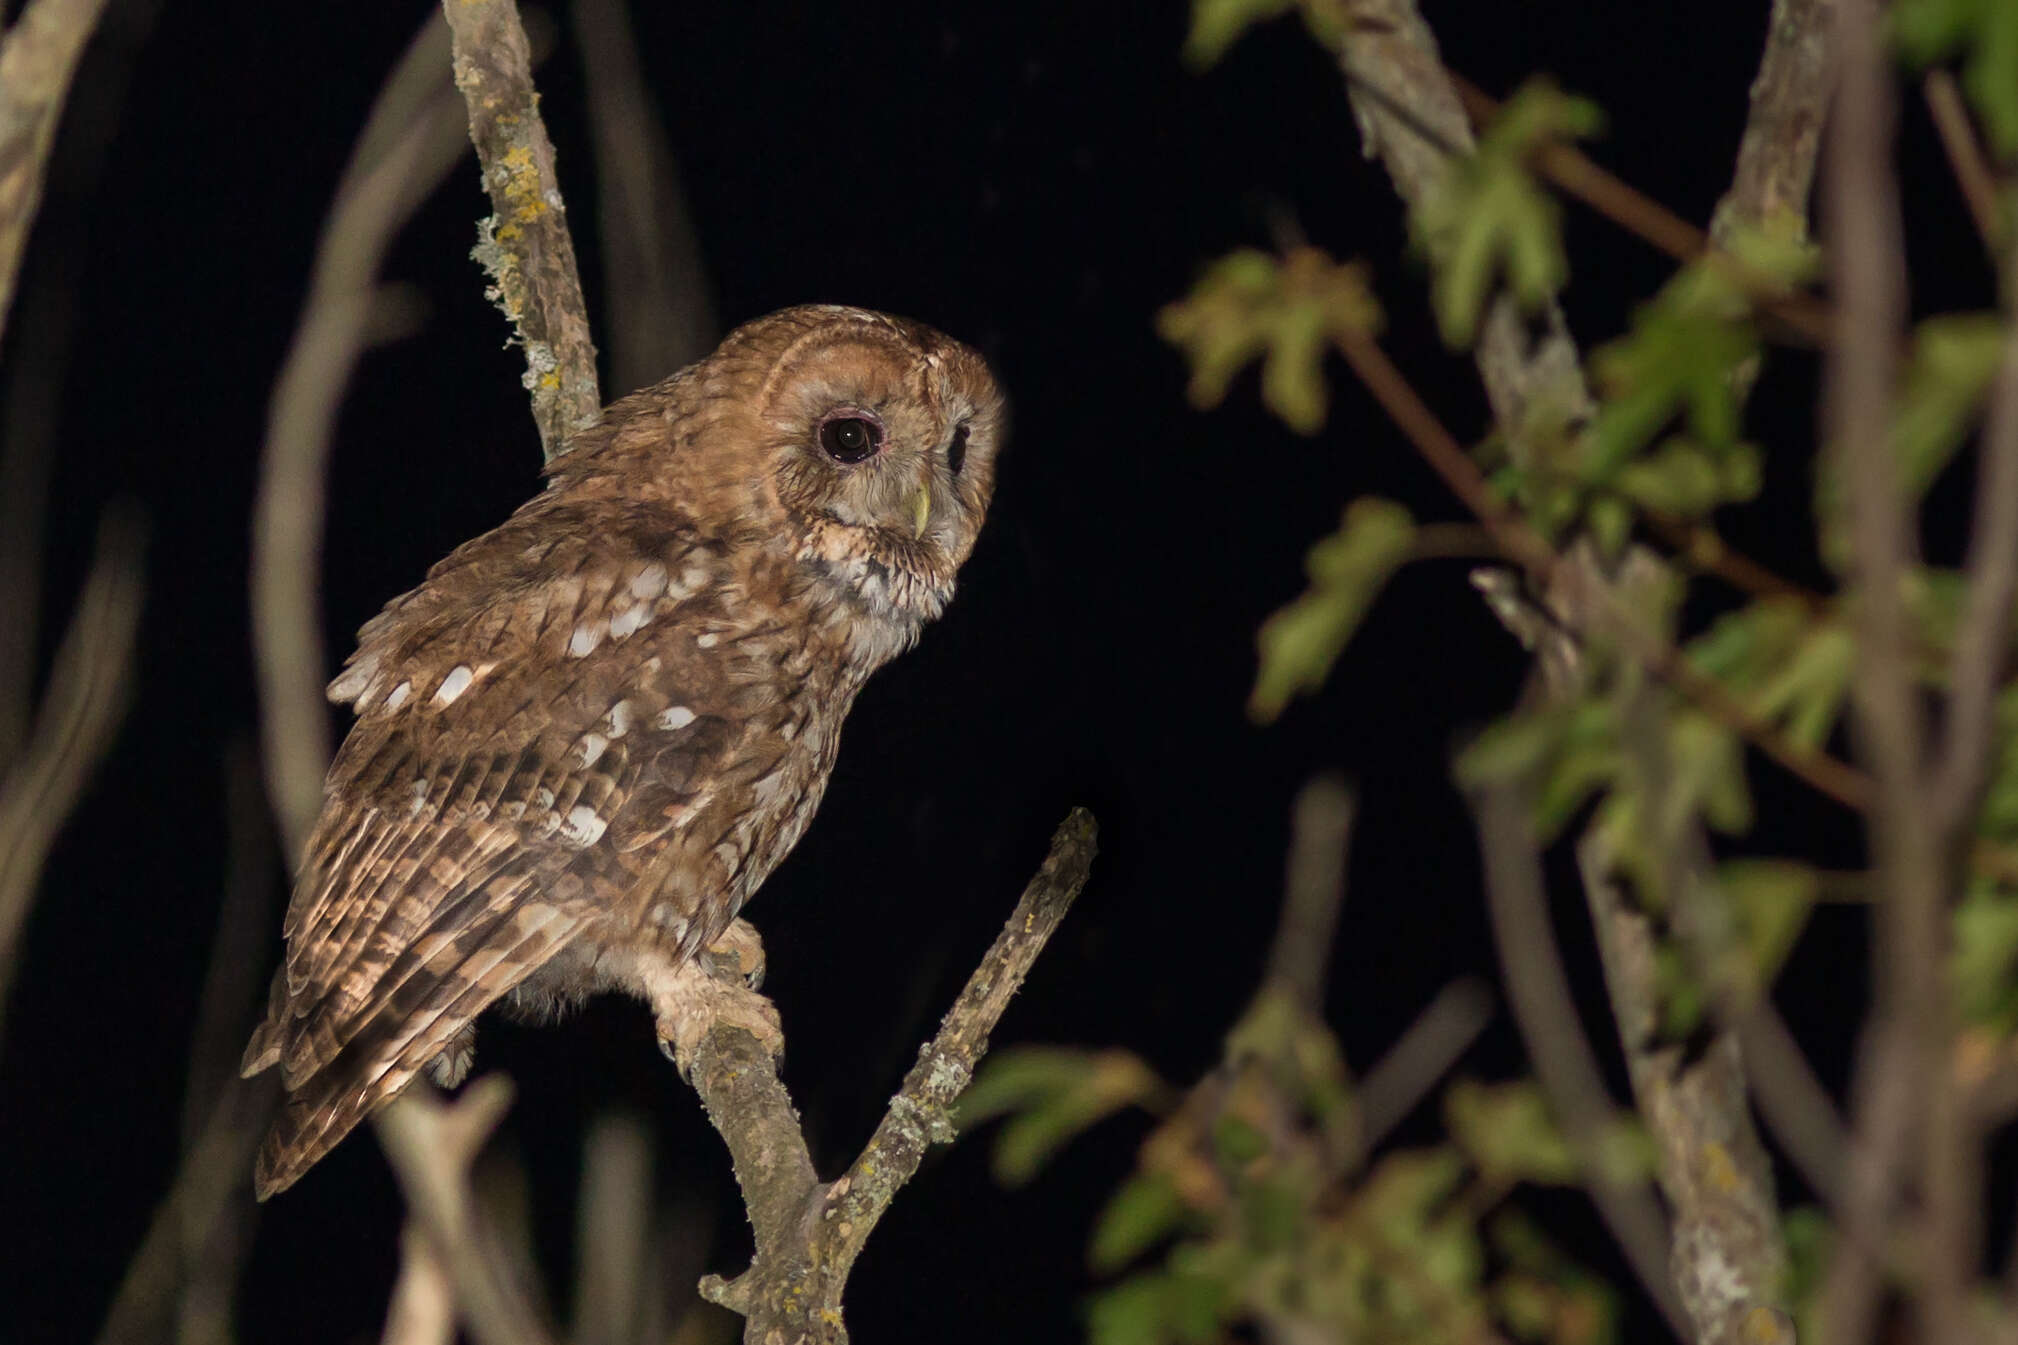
{"x":525,"y":246}
{"x":1388,"y":46}
{"x":808,"y":1235}
{"x":38,"y":57}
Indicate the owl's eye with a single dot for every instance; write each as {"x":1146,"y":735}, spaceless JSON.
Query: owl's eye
{"x":956,"y":452}
{"x":851,"y":438}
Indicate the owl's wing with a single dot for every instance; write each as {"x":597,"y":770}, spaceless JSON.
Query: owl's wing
{"x":481,"y":813}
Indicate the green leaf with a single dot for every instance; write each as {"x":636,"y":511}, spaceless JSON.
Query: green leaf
{"x":1141,"y":1214}
{"x":1986,"y":956}
{"x":1489,"y":219}
{"x":1985,"y":34}
{"x":1770,"y":899}
{"x":1506,"y":1130}
{"x":1347,"y":569}
{"x":1286,"y":312}
{"x":1051,"y":1094}
{"x":1942,"y":396}
{"x":1680,"y":361}
{"x":1217,"y":24}
{"x":1158,"y":1307}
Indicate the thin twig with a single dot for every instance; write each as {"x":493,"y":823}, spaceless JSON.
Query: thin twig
{"x":1537,"y":986}
{"x":38,"y":57}
{"x":1775,"y":173}
{"x":808,"y":1235}
{"x":1973,"y":174}
{"x":660,"y":316}
{"x":1983,"y":637}
{"x":1424,"y":1053}
{"x":409,"y":142}
{"x":525,"y":246}
{"x":89,"y":684}
{"x":1441,"y":450}
{"x":432,"y":1145}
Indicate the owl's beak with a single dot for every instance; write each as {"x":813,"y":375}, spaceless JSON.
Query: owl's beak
{"x":921,"y":507}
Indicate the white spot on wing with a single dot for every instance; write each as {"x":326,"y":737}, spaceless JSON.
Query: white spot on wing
{"x":707,"y":641}
{"x":543,"y":798}
{"x":619,"y":719}
{"x":354,"y":679}
{"x":457,"y":682}
{"x":585,"y":639}
{"x":628,"y":620}
{"x":591,"y":748}
{"x":419,"y":798}
{"x":399,"y":695}
{"x":668,"y":917}
{"x":582,"y":826}
{"x":675,"y":717}
{"x":650,"y":582}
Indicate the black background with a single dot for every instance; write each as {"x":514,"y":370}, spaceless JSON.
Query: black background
{"x":1036,"y":179}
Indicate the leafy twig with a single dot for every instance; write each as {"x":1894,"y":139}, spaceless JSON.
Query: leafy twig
{"x":525,"y":246}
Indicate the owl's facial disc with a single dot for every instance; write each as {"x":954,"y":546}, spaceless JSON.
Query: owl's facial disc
{"x":884,"y":440}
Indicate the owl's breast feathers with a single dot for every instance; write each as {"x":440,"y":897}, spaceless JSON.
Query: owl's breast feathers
{"x":594,"y":727}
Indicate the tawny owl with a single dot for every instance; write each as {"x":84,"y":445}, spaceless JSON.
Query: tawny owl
{"x":592,"y":732}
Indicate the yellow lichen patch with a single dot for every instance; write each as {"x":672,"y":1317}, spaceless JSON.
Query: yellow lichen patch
{"x":1763,"y":1326}
{"x":1720,"y":1170}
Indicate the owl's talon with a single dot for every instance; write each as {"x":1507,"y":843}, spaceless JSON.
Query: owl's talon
{"x":739,"y":952}
{"x":697,"y":998}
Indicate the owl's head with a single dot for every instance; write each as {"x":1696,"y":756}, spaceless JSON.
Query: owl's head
{"x":864,"y":444}
{"x":878,"y":438}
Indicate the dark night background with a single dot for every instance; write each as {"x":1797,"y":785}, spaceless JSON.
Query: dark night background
{"x":1035,"y":178}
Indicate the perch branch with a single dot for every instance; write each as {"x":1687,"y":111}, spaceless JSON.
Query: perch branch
{"x":1387,"y":44}
{"x":38,"y":57}
{"x":431,"y":1145}
{"x":525,"y":246}
{"x":808,"y":1234}
{"x":89,"y":684}
{"x":409,"y":141}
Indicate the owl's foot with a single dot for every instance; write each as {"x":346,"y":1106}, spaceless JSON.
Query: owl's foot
{"x":452,"y":1065}
{"x":695,"y":999}
{"x":739,"y":952}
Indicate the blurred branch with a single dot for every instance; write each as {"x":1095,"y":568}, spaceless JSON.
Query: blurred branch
{"x":1400,"y":1079}
{"x":1982,"y":639}
{"x":89,"y":684}
{"x":1902,"y":1088}
{"x":1973,"y":174}
{"x":1319,"y":831}
{"x":409,"y":141}
{"x":613,"y":1225}
{"x":181,"y":1282}
{"x":38,"y":57}
{"x":432,"y":1145}
{"x":524,"y":246}
{"x":1538,"y":991}
{"x":808,"y":1235}
{"x":660,"y":317}
{"x":422,"y":1311}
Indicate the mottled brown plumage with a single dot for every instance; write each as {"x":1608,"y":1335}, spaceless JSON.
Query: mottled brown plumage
{"x":592,"y":732}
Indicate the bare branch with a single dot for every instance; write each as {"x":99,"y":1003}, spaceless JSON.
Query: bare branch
{"x":88,"y":688}
{"x":1973,"y":174}
{"x":408,"y":143}
{"x":422,"y":1311}
{"x":1315,"y":891}
{"x":1403,"y":1077}
{"x":809,"y":1235}
{"x":660,"y":317}
{"x":613,"y":1225}
{"x":525,"y":246}
{"x":1985,"y":631}
{"x":432,"y":1145}
{"x":1902,"y":1085}
{"x":1538,"y":993}
{"x":38,"y":57}
{"x":1783,"y":130}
